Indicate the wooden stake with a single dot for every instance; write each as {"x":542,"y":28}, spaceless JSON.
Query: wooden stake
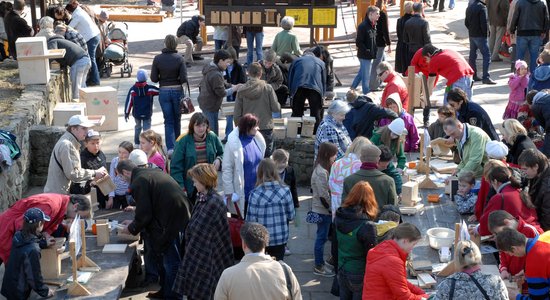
{"x":84,"y":260}
{"x":75,"y":288}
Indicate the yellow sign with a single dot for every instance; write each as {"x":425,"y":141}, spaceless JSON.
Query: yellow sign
{"x":324,"y":16}
{"x":301,"y":16}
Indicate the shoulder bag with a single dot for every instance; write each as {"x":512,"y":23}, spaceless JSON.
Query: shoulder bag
{"x":186,"y":104}
{"x":235,"y":224}
{"x":287,"y":278}
{"x":311,"y":216}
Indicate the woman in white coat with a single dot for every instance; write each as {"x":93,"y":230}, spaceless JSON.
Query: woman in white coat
{"x":243,"y":152}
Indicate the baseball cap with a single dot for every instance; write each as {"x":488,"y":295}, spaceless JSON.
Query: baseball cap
{"x":138,"y":157}
{"x":34,"y":215}
{"x":92,"y":134}
{"x":79,"y":120}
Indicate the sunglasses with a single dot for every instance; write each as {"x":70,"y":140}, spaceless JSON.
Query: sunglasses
{"x":381,"y":73}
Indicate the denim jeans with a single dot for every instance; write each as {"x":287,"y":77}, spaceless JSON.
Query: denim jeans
{"x":465,"y":84}
{"x":363,"y":75}
{"x":229,"y":119}
{"x":212,"y":117}
{"x":451,"y":4}
{"x":168,"y":263}
{"x":374,"y":81}
{"x":482,"y":44}
{"x":169,"y":98}
{"x":351,"y":285}
{"x":218,"y":44}
{"x":92,"y":47}
{"x":531,"y":44}
{"x":259,"y":37}
{"x":321,"y":239}
{"x":144,"y":124}
{"x":79,"y":70}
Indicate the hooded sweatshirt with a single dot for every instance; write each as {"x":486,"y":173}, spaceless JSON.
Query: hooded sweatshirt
{"x":541,"y":78}
{"x":212,"y":88}
{"x":258,"y":98}
{"x":364,"y":117}
{"x":412,"y":139}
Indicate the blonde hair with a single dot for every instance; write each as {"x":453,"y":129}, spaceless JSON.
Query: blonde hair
{"x":154,"y":138}
{"x":512,"y":128}
{"x":490,"y":165}
{"x":408,"y":7}
{"x":467,"y":255}
{"x":280,"y":156}
{"x":358,"y":144}
{"x":206,"y":174}
{"x":267,"y":171}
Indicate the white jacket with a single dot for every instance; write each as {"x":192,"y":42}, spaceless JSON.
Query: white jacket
{"x":232,"y":166}
{"x":84,"y":24}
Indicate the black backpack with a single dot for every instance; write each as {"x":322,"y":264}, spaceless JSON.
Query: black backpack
{"x":8,"y":139}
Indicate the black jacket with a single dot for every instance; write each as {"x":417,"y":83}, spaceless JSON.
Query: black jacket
{"x":162,"y":207}
{"x":289,"y":178}
{"x":23,"y":273}
{"x":522,"y":142}
{"x":73,"y":52}
{"x":476,"y":19}
{"x":364,"y":116}
{"x":382,"y":31}
{"x":16,"y":27}
{"x":190,"y":28}
{"x":402,"y":49}
{"x":366,"y":40}
{"x":169,"y":68}
{"x":473,"y":114}
{"x":530,"y":18}
{"x":416,"y":33}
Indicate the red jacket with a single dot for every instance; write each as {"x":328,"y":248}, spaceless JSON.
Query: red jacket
{"x":483,"y":192}
{"x":385,"y":274}
{"x":53,"y":205}
{"x":421,"y":66}
{"x":509,"y":200}
{"x":449,"y":64}
{"x":395,"y":84}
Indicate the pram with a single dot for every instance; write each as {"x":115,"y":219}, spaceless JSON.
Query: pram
{"x":116,"y":53}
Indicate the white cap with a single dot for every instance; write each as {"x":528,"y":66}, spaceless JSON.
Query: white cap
{"x":397,"y":126}
{"x":138,"y":157}
{"x":496,"y":150}
{"x":80,"y":120}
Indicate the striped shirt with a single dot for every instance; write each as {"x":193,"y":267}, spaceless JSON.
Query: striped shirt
{"x":200,"y":149}
{"x":341,"y":169}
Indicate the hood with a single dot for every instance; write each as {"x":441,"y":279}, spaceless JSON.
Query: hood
{"x":195,"y":19}
{"x":20,"y":241}
{"x":166,"y":50}
{"x":540,"y":97}
{"x":349,"y":218}
{"x":385,"y":249}
{"x":209,"y":68}
{"x":397,"y":99}
{"x":360,"y":101}
{"x":534,"y":1}
{"x":253,"y":89}
{"x":542,"y":73}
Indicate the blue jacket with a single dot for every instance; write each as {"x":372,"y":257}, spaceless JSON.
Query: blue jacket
{"x":139,"y":101}
{"x":541,"y":78}
{"x":307,"y":72}
{"x":364,"y":116}
{"x":473,"y":114}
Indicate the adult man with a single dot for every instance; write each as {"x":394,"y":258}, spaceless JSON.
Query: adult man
{"x":530,"y":24}
{"x":16,"y":26}
{"x":64,"y":165}
{"x":394,"y":84}
{"x":307,"y":79}
{"x":451,"y":65}
{"x":162,"y":211}
{"x":364,"y":115}
{"x":537,"y":260}
{"x":75,"y":58}
{"x":257,"y":276}
{"x":541,"y":112}
{"x":366,"y":48}
{"x":84,"y":24}
{"x":416,"y":32}
{"x":258,"y":98}
{"x":188,"y":34}
{"x":71,"y":35}
{"x":477,"y":24}
{"x":382,"y":184}
{"x":57,"y":206}
{"x":470,"y":141}
{"x":498,"y":14}
{"x":273,"y":75}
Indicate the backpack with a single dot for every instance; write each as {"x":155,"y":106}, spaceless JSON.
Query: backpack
{"x":8,"y":139}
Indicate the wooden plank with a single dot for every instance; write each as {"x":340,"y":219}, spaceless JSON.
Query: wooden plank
{"x":137,"y":18}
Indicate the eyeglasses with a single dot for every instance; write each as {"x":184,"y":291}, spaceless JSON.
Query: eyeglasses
{"x":381,"y":73}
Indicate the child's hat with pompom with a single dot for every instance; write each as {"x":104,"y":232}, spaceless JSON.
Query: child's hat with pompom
{"x":520,"y":63}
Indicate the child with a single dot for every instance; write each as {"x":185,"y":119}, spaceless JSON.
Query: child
{"x":385,"y":159}
{"x":286,"y":173}
{"x":118,"y":197}
{"x":436,"y":129}
{"x":527,"y":119}
{"x":140,"y":99}
{"x":388,"y":218}
{"x":465,"y":199}
{"x":539,"y":79}
{"x":518,"y":83}
{"x":151,"y":142}
{"x":412,"y":139}
{"x":23,"y":273}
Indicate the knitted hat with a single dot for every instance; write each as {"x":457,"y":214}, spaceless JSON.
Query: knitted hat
{"x":370,"y":153}
{"x":397,"y":126}
{"x":103,"y":16}
{"x":538,"y":96}
{"x":138,"y":157}
{"x":142,"y":75}
{"x":520,"y":63}
{"x":496,"y":150}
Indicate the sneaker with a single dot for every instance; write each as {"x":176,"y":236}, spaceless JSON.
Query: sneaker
{"x":488,"y":80}
{"x":475,"y":78}
{"x":287,"y":251}
{"x":323,"y":271}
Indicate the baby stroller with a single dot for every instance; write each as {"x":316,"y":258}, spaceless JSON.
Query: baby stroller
{"x":116,"y":53}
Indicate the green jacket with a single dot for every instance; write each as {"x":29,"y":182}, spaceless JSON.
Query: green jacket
{"x":382,"y":185}
{"x":184,"y":158}
{"x":399,"y":153}
{"x":472,"y":153}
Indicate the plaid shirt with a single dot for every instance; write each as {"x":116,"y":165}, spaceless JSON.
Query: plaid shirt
{"x":330,"y":131}
{"x":75,"y":37}
{"x":270,"y":204}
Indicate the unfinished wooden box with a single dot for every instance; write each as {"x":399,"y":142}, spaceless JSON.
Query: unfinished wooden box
{"x":279,"y":128}
{"x":308,"y":124}
{"x":228,"y":108}
{"x":409,"y":194}
{"x":293,"y":123}
{"x":32,"y":59}
{"x":63,"y":111}
{"x":101,"y":100}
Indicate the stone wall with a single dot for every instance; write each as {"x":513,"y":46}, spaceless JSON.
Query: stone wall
{"x":35,"y":106}
{"x":301,"y":152}
{"x":42,"y":140}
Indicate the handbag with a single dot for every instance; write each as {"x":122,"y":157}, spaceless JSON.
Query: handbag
{"x":235,"y":224}
{"x":311,"y":216}
{"x":186,"y":104}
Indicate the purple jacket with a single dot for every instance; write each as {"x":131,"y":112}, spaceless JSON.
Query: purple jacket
{"x":517,"y":85}
{"x":412,"y":139}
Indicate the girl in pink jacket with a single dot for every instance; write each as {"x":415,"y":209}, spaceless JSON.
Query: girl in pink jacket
{"x":518,"y":83}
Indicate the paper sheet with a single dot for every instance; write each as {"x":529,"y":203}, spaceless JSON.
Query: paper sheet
{"x":464,"y":234}
{"x":74,"y":235}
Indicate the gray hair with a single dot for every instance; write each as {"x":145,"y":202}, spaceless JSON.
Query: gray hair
{"x":170,"y":42}
{"x":384,"y":66}
{"x":287,"y":22}
{"x":338,"y":107}
{"x":46,"y":23}
{"x":270,"y":56}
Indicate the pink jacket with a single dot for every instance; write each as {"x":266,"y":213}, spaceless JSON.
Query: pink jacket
{"x":517,"y":85}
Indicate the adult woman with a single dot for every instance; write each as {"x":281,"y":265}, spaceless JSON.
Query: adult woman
{"x":208,"y":248}
{"x":393,"y":136}
{"x":515,"y":136}
{"x":199,"y":145}
{"x":170,"y":72}
{"x":332,"y":129}
{"x":386,"y":277}
{"x":321,"y":203}
{"x":402,"y":50}
{"x":535,"y":165}
{"x":271,"y":205}
{"x":342,"y":168}
{"x":507,"y":198}
{"x":243,"y":152}
{"x":286,"y":41}
{"x":355,"y":236}
{"x":382,"y":40}
{"x":469,"y":282}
